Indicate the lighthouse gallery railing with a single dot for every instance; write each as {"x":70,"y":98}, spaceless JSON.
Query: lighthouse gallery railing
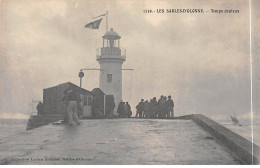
{"x":106,"y":51}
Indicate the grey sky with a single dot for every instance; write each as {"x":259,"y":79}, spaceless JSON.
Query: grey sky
{"x":202,"y":60}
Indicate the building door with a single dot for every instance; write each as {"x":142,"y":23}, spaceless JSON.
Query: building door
{"x":87,"y":106}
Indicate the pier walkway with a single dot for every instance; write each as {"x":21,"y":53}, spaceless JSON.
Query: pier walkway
{"x":116,"y":141}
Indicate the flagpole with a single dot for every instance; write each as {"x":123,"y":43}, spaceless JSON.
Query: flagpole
{"x":107,"y":20}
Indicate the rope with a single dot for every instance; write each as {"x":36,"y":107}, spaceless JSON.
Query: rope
{"x":131,"y":86}
{"x":130,"y":95}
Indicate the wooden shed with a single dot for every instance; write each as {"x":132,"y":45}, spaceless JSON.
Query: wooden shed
{"x":98,"y":103}
{"x":52,"y":97}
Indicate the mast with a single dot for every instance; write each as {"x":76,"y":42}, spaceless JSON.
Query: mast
{"x":107,"y":20}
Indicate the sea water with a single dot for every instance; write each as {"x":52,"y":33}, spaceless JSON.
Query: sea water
{"x":244,"y":129}
{"x":12,"y":126}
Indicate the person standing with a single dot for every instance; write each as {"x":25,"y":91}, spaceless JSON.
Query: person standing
{"x":124,"y":110}
{"x":163,"y":107}
{"x":128,"y":110}
{"x":150,"y":108}
{"x":120,"y":109}
{"x":140,"y":109}
{"x":146,"y":109}
{"x":154,"y":108}
{"x":170,"y":107}
{"x":71,"y":103}
{"x":160,"y":107}
{"x":40,"y":108}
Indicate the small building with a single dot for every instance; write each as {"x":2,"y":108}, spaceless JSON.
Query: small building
{"x":91,"y":105}
{"x":98,"y":104}
{"x":97,"y":92}
{"x":52,"y":104}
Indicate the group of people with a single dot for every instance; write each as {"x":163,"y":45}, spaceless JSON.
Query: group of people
{"x":163,"y":108}
{"x":124,"y":110}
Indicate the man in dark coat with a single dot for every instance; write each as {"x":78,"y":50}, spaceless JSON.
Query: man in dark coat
{"x":140,"y":109}
{"x":120,"y":109}
{"x":160,"y":107}
{"x":128,"y":110}
{"x":40,"y":108}
{"x":163,"y":107}
{"x":154,"y":108}
{"x":146,"y":109}
{"x":170,"y":107}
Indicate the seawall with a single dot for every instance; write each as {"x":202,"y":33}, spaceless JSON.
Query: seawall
{"x":244,"y":149}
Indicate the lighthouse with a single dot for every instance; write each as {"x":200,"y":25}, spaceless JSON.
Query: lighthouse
{"x":111,"y":58}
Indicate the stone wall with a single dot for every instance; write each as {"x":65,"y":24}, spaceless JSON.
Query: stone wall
{"x":234,"y":142}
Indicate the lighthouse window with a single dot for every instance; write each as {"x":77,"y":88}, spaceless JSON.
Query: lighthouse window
{"x":109,"y":78}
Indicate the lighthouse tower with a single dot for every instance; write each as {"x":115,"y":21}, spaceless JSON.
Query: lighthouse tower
{"x":111,"y":58}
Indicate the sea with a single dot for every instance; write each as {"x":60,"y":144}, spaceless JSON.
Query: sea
{"x":245,"y":130}
{"x":10,"y":127}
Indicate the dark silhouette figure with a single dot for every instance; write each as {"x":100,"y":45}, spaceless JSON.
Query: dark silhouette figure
{"x":128,"y":111}
{"x":154,"y":108}
{"x":170,"y":107}
{"x":40,"y":108}
{"x":146,"y":109}
{"x":162,"y":107}
{"x":159,"y":114}
{"x":140,"y":109}
{"x":120,"y":109}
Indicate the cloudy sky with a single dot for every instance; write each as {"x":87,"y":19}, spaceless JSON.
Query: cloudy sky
{"x":202,"y":60}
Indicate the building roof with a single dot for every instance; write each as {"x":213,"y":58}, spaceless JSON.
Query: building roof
{"x":73,"y":85}
{"x":83,"y":90}
{"x":96,"y":90}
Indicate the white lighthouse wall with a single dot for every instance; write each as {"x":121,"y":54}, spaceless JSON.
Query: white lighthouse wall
{"x":113,"y":67}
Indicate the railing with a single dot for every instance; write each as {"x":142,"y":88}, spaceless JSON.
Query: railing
{"x":111,"y":51}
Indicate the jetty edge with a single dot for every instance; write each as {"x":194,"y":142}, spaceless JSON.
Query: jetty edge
{"x":244,"y":149}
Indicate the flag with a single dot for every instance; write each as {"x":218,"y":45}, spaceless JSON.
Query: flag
{"x":94,"y":25}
